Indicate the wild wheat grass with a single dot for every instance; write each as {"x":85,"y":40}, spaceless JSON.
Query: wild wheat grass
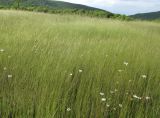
{"x":64,"y":66}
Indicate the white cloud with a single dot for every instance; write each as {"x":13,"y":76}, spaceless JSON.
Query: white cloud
{"x":122,"y":6}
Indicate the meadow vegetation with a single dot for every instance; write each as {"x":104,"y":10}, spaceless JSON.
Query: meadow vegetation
{"x":68,"y":66}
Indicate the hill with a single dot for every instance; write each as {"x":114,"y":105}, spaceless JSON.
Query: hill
{"x":47,"y":3}
{"x":147,"y":16}
{"x":59,"y":7}
{"x":69,"y":66}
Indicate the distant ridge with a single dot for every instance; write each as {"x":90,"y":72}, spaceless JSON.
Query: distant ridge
{"x":49,"y":3}
{"x":52,"y":6}
{"x":147,"y":16}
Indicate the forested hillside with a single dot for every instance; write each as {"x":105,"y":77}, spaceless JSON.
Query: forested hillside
{"x":147,"y":16}
{"x":59,"y":7}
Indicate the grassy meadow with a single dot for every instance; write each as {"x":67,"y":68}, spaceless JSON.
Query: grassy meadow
{"x":66,"y":66}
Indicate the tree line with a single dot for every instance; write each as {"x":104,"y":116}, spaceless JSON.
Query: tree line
{"x":92,"y":13}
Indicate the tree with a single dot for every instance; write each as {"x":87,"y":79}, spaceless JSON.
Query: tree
{"x":18,"y":3}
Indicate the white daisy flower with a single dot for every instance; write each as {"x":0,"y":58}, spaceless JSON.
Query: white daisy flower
{"x":135,"y":96}
{"x":5,"y":68}
{"x":147,"y":98}
{"x":120,"y":105}
{"x":68,"y":109}
{"x":125,"y":63}
{"x":1,"y":50}
{"x":80,"y":71}
{"x":102,"y":94}
{"x":108,"y":105}
{"x":144,"y":76}
{"x":120,"y":70}
{"x":9,"y":76}
{"x":103,"y":99}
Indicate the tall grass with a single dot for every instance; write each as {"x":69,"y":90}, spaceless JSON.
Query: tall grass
{"x":62,"y":66}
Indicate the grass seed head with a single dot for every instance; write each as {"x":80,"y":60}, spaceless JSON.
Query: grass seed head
{"x":115,"y":90}
{"x":114,"y":109}
{"x":112,"y":92}
{"x":9,"y":56}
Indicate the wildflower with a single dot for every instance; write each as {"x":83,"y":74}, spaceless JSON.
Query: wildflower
{"x":135,"y":96}
{"x":120,"y":105}
{"x":102,"y":94}
{"x":125,"y":63}
{"x":80,"y":71}
{"x":111,"y":92}
{"x":120,"y":70}
{"x":9,"y":76}
{"x":68,"y":109}
{"x":103,"y":99}
{"x":70,"y":74}
{"x":107,"y":105}
{"x":81,"y":55}
{"x":147,"y":98}
{"x":1,"y":50}
{"x":4,"y":68}
{"x":131,"y":99}
{"x":115,"y":90}
{"x":144,"y":76}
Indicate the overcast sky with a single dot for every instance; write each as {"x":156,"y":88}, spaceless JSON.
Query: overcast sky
{"x":122,"y":6}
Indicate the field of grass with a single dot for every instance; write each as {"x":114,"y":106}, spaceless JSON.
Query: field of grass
{"x":64,"y":66}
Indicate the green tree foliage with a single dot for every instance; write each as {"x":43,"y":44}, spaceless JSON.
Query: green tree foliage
{"x":147,"y":16}
{"x":60,"y":8}
{"x":18,"y":3}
